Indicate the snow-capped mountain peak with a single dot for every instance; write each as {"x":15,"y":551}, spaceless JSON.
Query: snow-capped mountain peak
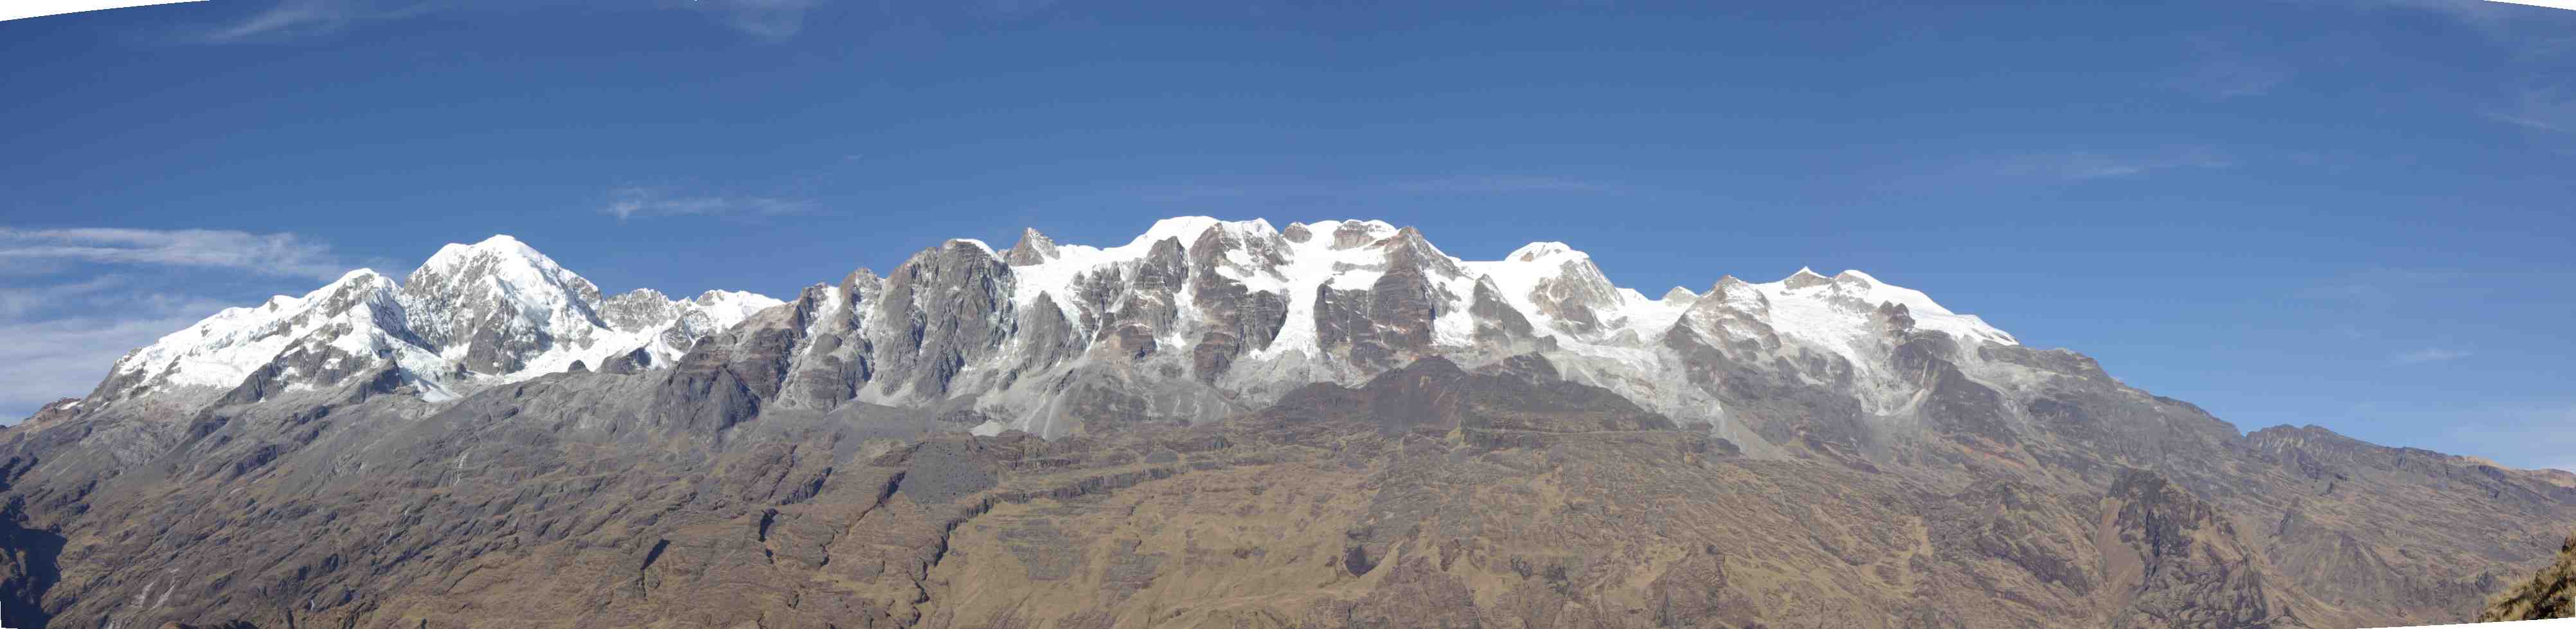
{"x":221,"y":350}
{"x":493,"y":311}
{"x":1853,"y":293}
{"x":978,"y":244}
{"x":1805,"y":278}
{"x":1188,"y":229}
{"x":495,"y":305}
{"x":497,"y":244}
{"x":1537,"y":250}
{"x":1033,"y":248}
{"x":1193,"y":317}
{"x":1252,"y":310}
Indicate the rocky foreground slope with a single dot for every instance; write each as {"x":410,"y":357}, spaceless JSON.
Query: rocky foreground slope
{"x":1217,"y":424}
{"x":2550,"y":593}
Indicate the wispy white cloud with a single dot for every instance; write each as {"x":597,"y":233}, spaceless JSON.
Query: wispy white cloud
{"x":1503,"y":184}
{"x":2533,"y":33}
{"x":295,"y":18}
{"x":1011,"y":9}
{"x":2088,"y":165}
{"x":63,"y":336}
{"x":2223,"y":71}
{"x":2521,"y":433}
{"x":57,"y":358}
{"x":2226,"y":79}
{"x":2525,"y":433}
{"x":291,"y":19}
{"x":22,"y":297}
{"x":632,"y":202}
{"x":1331,"y":191}
{"x":272,"y":254}
{"x":98,"y":293}
{"x":2546,"y":109}
{"x":2375,"y":288}
{"x":768,"y":19}
{"x":2479,"y":13}
{"x":2427,"y":355}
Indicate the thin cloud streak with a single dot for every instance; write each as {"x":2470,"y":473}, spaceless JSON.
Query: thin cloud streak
{"x":20,"y":299}
{"x":2228,"y":79}
{"x":1464,"y":185}
{"x":2479,"y":13}
{"x":54,"y":357}
{"x":766,"y":19}
{"x":68,"y":322}
{"x":2225,"y":72}
{"x":2526,"y":434}
{"x":271,"y":254}
{"x":1489,"y":185}
{"x":2087,"y":165}
{"x":628,"y":203}
{"x":2543,"y":109}
{"x":59,"y":358}
{"x":2376,"y":288}
{"x":2427,"y":355}
{"x":309,"y":17}
{"x":290,"y":19}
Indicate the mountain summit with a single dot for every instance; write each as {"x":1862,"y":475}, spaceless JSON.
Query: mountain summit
{"x":493,"y":312}
{"x":1215,"y":423}
{"x":1246,"y":311}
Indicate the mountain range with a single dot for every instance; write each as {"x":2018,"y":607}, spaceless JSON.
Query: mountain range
{"x":1217,"y":423}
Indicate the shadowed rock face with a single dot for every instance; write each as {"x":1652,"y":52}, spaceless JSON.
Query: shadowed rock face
{"x":833,"y":356}
{"x":2192,"y":570}
{"x":1406,"y":445}
{"x":1150,"y":304}
{"x":1383,"y":325}
{"x":941,"y":308}
{"x":1236,"y":318}
{"x":1033,"y":248}
{"x":727,"y":382}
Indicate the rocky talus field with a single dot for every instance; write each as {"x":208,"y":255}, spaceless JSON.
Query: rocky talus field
{"x":1217,"y":424}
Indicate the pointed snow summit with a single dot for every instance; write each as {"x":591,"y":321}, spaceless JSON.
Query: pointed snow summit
{"x":497,"y":304}
{"x":493,"y":311}
{"x":1033,"y":248}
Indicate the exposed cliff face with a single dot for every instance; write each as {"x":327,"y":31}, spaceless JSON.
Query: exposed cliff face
{"x":2191,"y":568}
{"x":1328,"y":425}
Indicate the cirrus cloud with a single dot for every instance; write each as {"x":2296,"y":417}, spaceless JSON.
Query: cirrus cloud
{"x":2428,"y":355}
{"x":291,"y":19}
{"x":631,"y":202}
{"x":269,"y":254}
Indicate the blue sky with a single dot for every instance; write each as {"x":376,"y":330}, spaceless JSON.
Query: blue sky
{"x":2351,"y":213}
